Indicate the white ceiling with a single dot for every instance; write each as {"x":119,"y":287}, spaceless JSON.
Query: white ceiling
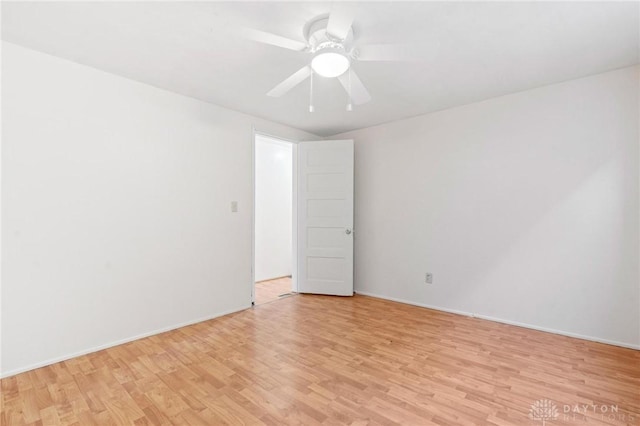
{"x":472,"y":51}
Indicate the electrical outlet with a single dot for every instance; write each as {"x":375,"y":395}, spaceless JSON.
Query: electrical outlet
{"x":428,"y":278}
{"x":234,"y":207}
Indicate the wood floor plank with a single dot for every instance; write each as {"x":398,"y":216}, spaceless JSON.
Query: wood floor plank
{"x":313,"y":360}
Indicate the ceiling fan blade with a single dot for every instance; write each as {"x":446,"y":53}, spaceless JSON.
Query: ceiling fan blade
{"x":387,"y":52}
{"x":273,"y":39}
{"x":296,"y":78}
{"x":359,"y":93}
{"x":340,"y":21}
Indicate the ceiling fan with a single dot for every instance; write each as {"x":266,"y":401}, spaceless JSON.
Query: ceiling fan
{"x":330,"y":41}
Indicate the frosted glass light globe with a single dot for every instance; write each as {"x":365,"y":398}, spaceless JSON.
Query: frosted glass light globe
{"x":330,"y":63}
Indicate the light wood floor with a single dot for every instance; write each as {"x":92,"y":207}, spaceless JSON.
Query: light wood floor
{"x":331,"y":360}
{"x":270,"y":290}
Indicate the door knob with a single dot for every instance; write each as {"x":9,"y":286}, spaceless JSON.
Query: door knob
{"x":347,"y":231}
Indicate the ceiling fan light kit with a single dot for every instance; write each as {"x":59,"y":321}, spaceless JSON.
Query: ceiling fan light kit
{"x":330,"y":61}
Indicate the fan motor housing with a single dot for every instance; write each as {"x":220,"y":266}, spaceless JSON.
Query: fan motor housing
{"x":315,"y":32}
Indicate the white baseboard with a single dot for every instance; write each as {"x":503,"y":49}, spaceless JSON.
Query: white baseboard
{"x":15,"y":371}
{"x":504,"y":321}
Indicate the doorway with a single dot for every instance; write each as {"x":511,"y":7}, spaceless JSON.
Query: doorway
{"x":274,"y":219}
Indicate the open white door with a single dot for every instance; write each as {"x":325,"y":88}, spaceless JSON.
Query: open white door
{"x":325,"y":217}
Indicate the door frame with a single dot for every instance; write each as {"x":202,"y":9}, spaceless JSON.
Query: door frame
{"x":294,"y":214}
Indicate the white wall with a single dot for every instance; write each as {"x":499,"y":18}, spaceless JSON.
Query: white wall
{"x":524,"y":207}
{"x":274,"y":199}
{"x":116,"y":199}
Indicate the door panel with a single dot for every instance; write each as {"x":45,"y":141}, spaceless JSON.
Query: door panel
{"x":325,"y":217}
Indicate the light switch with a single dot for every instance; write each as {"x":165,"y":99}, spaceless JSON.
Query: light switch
{"x":234,"y":207}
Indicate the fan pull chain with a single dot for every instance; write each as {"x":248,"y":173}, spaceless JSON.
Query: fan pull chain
{"x":311,"y":107}
{"x":349,"y":105}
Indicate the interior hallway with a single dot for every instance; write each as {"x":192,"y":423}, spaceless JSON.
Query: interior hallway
{"x":270,"y":290}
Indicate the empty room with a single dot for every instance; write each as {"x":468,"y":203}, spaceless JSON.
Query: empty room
{"x":320,"y":213}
